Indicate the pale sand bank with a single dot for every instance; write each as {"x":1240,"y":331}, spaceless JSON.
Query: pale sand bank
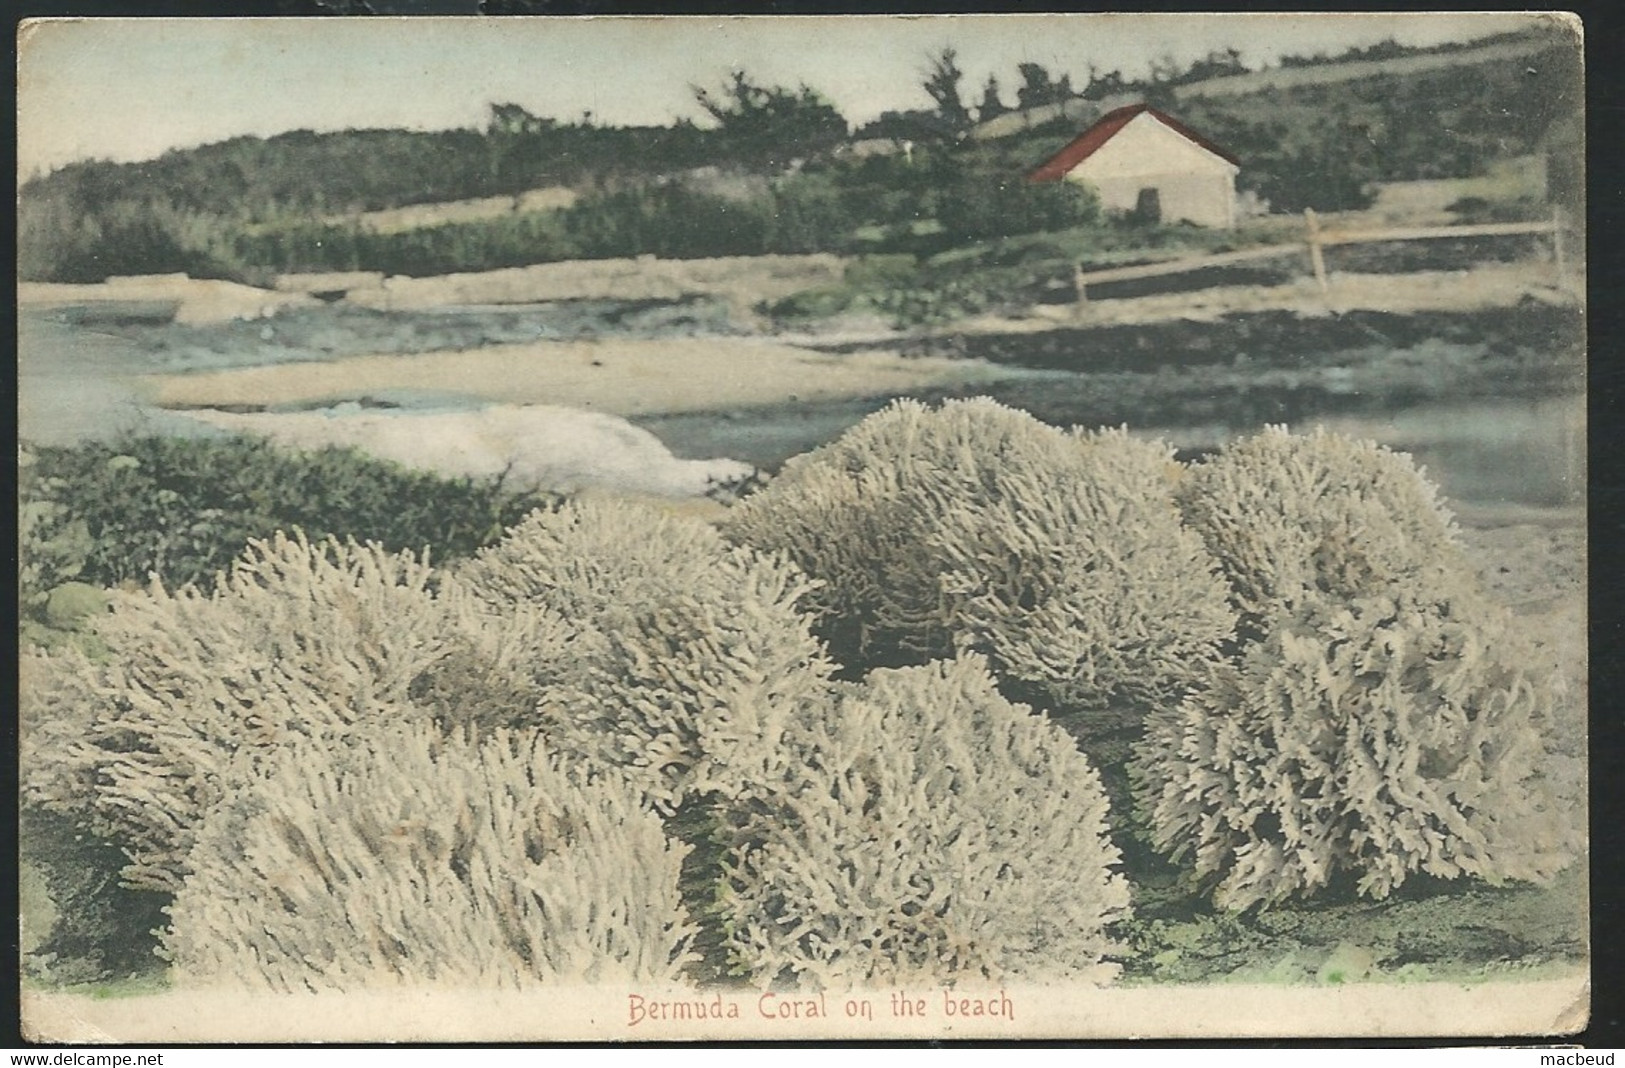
{"x":189,"y":300}
{"x":619,"y":376}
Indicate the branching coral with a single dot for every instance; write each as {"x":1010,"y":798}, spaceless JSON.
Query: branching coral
{"x":1378,"y":721}
{"x":299,"y":640}
{"x":926,"y":831}
{"x":1373,"y":739}
{"x":1059,"y":555}
{"x":688,"y":656}
{"x":1294,"y":519}
{"x":412,"y":858}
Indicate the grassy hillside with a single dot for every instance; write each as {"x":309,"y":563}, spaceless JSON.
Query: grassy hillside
{"x":769,"y":175}
{"x":1296,"y":140}
{"x":1298,"y":72}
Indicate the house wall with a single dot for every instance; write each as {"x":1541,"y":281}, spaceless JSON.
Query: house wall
{"x":1205,"y":200}
{"x":1192,"y":183}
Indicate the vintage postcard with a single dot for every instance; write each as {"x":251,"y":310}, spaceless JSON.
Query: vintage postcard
{"x":953,"y":527}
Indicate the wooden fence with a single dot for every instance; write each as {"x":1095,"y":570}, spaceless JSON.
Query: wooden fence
{"x":1316,"y":241}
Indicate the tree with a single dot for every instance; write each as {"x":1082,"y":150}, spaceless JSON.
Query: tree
{"x":1332,"y":167}
{"x":1038,"y":88}
{"x":763,"y":128}
{"x":991,"y":106}
{"x":942,"y":86}
{"x":1216,"y":64}
{"x":514,"y":120}
{"x":1104,"y":83}
{"x":914,"y":125}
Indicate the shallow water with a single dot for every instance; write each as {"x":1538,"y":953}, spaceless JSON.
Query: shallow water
{"x":1490,"y":452}
{"x":1526,"y":452}
{"x":77,"y":383}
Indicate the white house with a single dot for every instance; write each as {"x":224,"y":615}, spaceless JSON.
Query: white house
{"x":1139,"y":159}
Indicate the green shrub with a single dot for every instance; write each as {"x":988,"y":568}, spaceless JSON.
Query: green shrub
{"x":926,"y":831}
{"x":513,"y":240}
{"x":669,"y":221}
{"x":809,"y":214}
{"x":119,"y":512}
{"x":60,"y":238}
{"x":687,"y":657}
{"x":1299,"y":520}
{"x":74,"y":603}
{"x":53,"y":543}
{"x":408,"y":858}
{"x":872,"y":272}
{"x":933,"y":302}
{"x":300,"y":640}
{"x":820,"y":302}
{"x":1060,"y":555}
{"x":976,"y":206}
{"x":1366,"y":740}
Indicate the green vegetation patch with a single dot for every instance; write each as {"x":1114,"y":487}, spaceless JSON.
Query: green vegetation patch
{"x":113,"y":513}
{"x":1426,"y":932}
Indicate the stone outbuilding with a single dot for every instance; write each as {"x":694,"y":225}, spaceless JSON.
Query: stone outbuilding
{"x":1141,"y":160}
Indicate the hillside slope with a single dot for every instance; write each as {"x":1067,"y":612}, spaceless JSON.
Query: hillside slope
{"x":528,"y":190}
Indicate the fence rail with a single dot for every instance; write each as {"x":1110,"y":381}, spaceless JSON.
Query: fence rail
{"x":1315,"y":241}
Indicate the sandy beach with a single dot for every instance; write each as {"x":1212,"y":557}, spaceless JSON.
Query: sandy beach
{"x":619,"y":376}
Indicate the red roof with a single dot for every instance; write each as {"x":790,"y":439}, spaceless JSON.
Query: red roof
{"x":1090,"y":141}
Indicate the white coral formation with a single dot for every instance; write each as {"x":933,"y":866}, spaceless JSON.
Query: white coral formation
{"x":1118,"y":602}
{"x":974,"y":526}
{"x":1371,"y":739}
{"x":1379,"y":720}
{"x":501,"y":663}
{"x":1295,"y":519}
{"x":334,"y":762}
{"x":412,"y":859}
{"x":927,"y":831}
{"x":300,"y":640}
{"x":688,"y":657}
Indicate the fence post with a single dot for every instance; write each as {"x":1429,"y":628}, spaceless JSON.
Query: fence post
{"x":1558,"y":249}
{"x":1080,"y":285}
{"x":1317,"y":257}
